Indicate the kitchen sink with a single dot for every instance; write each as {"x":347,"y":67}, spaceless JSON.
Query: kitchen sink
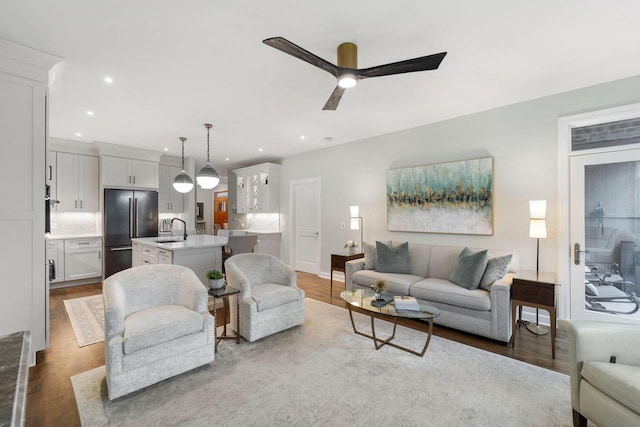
{"x":168,"y":240}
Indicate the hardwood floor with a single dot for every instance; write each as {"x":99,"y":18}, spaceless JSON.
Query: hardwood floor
{"x":50,"y":400}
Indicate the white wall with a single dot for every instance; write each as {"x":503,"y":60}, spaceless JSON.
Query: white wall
{"x":522,"y":139}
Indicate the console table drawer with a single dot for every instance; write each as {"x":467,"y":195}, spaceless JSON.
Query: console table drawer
{"x":533,"y":292}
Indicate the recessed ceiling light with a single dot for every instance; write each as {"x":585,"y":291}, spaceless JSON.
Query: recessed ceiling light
{"x":260,"y":150}
{"x":302,"y":137}
{"x":90,"y":113}
{"x":108,"y":80}
{"x":78,"y":134}
{"x":166,"y":149}
{"x":227,"y":159}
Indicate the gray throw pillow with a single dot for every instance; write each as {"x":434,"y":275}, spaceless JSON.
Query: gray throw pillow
{"x":496,"y":269}
{"x":393,"y":259}
{"x":469,"y":268}
{"x":370,"y":255}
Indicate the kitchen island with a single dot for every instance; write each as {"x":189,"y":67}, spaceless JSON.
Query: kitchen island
{"x":200,"y":253}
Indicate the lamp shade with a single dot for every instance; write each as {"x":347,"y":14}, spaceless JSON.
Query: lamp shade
{"x":208,"y":177}
{"x":537,"y":209}
{"x":355,"y":210}
{"x":182,"y":182}
{"x":538,"y":228}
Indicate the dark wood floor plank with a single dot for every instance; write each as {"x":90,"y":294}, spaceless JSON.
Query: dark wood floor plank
{"x":51,"y":402}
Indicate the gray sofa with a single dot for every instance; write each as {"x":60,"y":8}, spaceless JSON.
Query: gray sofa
{"x":478,"y":311}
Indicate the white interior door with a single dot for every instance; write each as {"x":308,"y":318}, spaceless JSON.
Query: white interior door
{"x":605,"y":229}
{"x":305,"y":208}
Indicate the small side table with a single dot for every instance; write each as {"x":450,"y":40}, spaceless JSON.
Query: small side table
{"x":535,"y":289}
{"x":338,"y":262}
{"x":224,"y":294}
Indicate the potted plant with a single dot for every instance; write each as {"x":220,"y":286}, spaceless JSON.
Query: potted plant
{"x":216,"y":279}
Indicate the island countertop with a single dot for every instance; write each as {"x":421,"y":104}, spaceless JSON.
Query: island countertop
{"x":199,"y":241}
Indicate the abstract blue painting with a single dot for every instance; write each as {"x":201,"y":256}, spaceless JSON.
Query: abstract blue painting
{"x":455,"y":197}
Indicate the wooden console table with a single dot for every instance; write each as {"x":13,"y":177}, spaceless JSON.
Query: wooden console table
{"x":535,"y":289}
{"x":338,"y":262}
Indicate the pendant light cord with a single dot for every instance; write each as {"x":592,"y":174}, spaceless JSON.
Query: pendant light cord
{"x":208,"y":126}
{"x":183,"y":139}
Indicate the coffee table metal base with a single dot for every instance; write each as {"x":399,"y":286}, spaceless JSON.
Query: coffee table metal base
{"x":387,"y":341}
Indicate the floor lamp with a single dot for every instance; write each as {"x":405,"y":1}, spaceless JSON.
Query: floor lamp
{"x":356,"y":221}
{"x":537,"y":230}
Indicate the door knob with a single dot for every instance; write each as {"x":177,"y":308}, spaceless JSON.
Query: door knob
{"x":576,"y":253}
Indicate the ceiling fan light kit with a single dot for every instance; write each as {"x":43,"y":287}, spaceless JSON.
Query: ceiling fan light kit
{"x":347,"y":72}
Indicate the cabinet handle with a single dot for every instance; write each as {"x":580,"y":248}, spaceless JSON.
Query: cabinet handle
{"x":134,"y":179}
{"x":99,"y":254}
{"x":80,"y":204}
{"x":50,"y":172}
{"x":171,"y":205}
{"x":129,"y":179}
{"x":84,"y":243}
{"x":76,"y":204}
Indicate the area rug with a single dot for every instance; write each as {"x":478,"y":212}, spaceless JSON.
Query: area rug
{"x":321,"y":373}
{"x":87,"y":318}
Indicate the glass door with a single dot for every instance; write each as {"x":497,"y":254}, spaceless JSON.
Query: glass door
{"x":605,"y":234}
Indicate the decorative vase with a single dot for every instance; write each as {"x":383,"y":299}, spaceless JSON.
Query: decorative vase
{"x":377,"y":300}
{"x":216,"y":283}
{"x":352,"y":250}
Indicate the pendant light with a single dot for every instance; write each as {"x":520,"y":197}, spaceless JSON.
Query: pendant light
{"x":183,"y":182}
{"x":208,"y":177}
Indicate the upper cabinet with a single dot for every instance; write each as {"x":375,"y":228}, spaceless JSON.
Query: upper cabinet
{"x":121,"y":172}
{"x":169,"y":200}
{"x":77,"y":185}
{"x":258,"y":188}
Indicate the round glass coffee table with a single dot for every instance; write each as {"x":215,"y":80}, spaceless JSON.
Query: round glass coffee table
{"x":363,"y":298}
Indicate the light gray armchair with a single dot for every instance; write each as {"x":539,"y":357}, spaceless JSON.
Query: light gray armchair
{"x":605,"y":393}
{"x":270,"y":300}
{"x":156,"y":326}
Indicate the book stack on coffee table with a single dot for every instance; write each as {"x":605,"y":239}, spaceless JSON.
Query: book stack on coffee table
{"x":406,"y":303}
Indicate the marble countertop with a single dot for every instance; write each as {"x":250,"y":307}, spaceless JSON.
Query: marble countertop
{"x":70,"y":236}
{"x":198,"y":241}
{"x":14,"y":376}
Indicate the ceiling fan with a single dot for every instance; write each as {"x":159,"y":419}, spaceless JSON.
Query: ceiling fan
{"x":347,"y":72}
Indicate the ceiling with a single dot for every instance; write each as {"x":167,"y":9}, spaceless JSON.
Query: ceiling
{"x":177,"y":65}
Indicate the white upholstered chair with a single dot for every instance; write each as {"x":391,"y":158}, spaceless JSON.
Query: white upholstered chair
{"x":156,"y":326}
{"x":270,"y":300}
{"x":605,"y":393}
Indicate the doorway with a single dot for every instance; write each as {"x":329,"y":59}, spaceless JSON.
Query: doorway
{"x":220,"y":204}
{"x":604,"y":215}
{"x":305,"y":225}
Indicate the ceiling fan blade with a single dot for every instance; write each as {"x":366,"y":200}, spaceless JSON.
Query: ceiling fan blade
{"x":292,"y":49}
{"x":334,"y":99}
{"x":424,"y":63}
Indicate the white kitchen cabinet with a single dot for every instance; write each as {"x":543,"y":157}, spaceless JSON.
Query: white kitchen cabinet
{"x":82,"y":258}
{"x":24,"y":294}
{"x":165,"y":257}
{"x":128,"y":173}
{"x":258,"y":188}
{"x":55,"y":259}
{"x":169,"y":200}
{"x":149,"y":255}
{"x":136,"y":254}
{"x":52,"y":170}
{"x":77,"y":186}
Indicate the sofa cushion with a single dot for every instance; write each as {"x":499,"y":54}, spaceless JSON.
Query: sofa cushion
{"x":156,"y":325}
{"x":267,"y":295}
{"x":370,"y":255}
{"x":618,"y":381}
{"x":469,"y":268}
{"x":398,"y":283}
{"x":441,"y":290}
{"x":393,"y":259}
{"x":497,"y":267}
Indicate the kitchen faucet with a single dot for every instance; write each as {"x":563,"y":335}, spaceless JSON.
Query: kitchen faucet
{"x":184,"y":225}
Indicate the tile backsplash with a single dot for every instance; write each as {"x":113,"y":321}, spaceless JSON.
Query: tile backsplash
{"x":70,"y":223}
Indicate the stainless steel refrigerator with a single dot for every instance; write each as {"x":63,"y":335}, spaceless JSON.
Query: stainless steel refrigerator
{"x":127,"y":214}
